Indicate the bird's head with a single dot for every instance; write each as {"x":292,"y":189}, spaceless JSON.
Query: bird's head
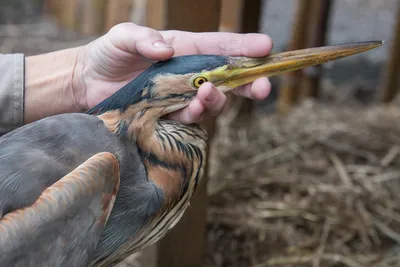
{"x":170,"y":85}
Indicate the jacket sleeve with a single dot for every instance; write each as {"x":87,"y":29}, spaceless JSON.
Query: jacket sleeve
{"x":11,"y":91}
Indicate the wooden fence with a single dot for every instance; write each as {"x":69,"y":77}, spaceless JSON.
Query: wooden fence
{"x":183,"y":246}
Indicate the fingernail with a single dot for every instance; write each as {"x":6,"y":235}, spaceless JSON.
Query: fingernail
{"x":211,"y":95}
{"x":161,"y":44}
{"x":188,"y":118}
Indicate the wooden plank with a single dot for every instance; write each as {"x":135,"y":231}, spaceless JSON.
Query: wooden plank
{"x":251,"y":15}
{"x":93,"y":17}
{"x":231,"y":15}
{"x":195,"y":15}
{"x":318,"y":28}
{"x":390,"y":78}
{"x":241,"y":16}
{"x":184,"y":245}
{"x":69,"y":14}
{"x":138,"y":14}
{"x":48,"y":7}
{"x":289,"y":89}
{"x":52,"y":8}
{"x":64,"y":12}
{"x":250,"y":22}
{"x":156,"y":14}
{"x":231,"y":21}
{"x":118,"y":11}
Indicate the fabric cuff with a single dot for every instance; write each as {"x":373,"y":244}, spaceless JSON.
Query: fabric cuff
{"x":11,"y":91}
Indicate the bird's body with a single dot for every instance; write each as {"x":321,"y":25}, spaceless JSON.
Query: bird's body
{"x":138,"y":201}
{"x":44,"y":165}
{"x":91,"y":189}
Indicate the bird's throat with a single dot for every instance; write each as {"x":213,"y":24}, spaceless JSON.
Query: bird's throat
{"x":137,"y":120}
{"x":171,"y":152}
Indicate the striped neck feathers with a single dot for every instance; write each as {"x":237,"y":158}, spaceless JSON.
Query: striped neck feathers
{"x":173,"y":153}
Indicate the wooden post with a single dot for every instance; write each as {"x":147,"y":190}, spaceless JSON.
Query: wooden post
{"x":251,"y":16}
{"x":138,"y":14}
{"x":53,"y":8}
{"x":93,"y":16}
{"x":241,"y":16}
{"x":64,"y":12}
{"x":231,"y":15}
{"x":49,"y":7}
{"x":118,"y":11}
{"x":184,"y":245}
{"x":318,"y":28}
{"x":289,"y":90}
{"x":156,"y":14}
{"x":230,"y":21}
{"x":390,"y":81}
{"x":195,"y":16}
{"x":69,"y":14}
{"x":250,"y":22}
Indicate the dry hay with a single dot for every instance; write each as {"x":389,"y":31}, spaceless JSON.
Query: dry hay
{"x":317,"y":187}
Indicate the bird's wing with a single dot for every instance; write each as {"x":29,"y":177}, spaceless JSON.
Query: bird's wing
{"x":63,"y":226}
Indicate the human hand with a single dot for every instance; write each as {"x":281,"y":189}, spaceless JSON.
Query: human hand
{"x":111,"y":61}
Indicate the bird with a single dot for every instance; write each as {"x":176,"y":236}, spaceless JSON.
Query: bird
{"x":92,"y":188}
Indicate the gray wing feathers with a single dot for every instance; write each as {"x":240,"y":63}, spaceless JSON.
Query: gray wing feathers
{"x":65,"y":223}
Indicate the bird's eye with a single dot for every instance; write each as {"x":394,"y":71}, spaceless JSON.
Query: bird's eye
{"x":198,"y":81}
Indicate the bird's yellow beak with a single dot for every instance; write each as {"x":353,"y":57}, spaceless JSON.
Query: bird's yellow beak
{"x":243,"y":70}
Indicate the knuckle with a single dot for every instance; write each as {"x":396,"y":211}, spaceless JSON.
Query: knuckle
{"x":145,"y":32}
{"x":231,"y":48}
{"x":122,"y":28}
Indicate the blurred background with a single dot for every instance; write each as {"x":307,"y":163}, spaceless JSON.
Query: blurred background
{"x":308,"y":177}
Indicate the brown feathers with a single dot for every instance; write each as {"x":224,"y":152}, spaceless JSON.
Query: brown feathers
{"x":172,"y":153}
{"x":172,"y":85}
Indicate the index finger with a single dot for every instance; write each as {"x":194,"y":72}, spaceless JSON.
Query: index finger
{"x":219,"y":43}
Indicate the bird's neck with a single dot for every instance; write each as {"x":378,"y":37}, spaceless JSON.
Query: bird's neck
{"x":172,"y":153}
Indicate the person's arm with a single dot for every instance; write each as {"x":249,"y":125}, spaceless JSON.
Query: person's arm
{"x":76,"y":79}
{"x":11,"y":91}
{"x":48,"y":89}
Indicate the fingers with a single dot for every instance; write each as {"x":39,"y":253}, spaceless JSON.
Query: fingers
{"x":221,"y":43}
{"x":259,"y":89}
{"x":208,"y":99}
{"x":140,"y":40}
{"x":212,"y":99}
{"x":193,"y":113}
{"x":156,"y":45}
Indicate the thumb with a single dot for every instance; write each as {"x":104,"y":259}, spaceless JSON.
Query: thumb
{"x":139,"y":40}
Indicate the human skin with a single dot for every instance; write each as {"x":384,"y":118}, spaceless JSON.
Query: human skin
{"x":76,"y":79}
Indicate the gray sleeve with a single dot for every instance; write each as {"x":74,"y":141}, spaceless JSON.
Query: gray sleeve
{"x":11,"y":91}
